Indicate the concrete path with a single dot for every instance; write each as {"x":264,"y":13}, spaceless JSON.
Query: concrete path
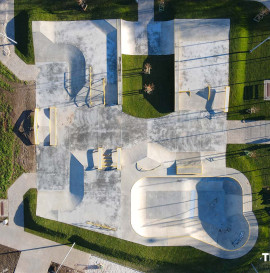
{"x":251,"y":132}
{"x":7,"y":54}
{"x":147,"y":37}
{"x":36,"y":252}
{"x":264,"y":2}
{"x":145,"y":11}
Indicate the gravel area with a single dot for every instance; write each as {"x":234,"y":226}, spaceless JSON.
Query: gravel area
{"x":9,"y":258}
{"x":98,"y":265}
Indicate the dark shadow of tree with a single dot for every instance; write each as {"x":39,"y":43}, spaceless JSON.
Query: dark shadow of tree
{"x":162,"y":76}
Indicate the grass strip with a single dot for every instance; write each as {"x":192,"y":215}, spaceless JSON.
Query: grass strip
{"x":5,"y":72}
{"x":9,"y":169}
{"x":136,"y":101}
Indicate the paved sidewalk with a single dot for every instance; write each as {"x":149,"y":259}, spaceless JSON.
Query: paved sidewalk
{"x":36,"y":252}
{"x":266,"y":3}
{"x":250,"y":132}
{"x":7,"y":54}
{"x":145,"y":11}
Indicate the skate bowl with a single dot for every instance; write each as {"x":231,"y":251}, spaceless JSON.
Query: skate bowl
{"x":209,"y":209}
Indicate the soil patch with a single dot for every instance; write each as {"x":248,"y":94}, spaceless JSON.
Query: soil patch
{"x":23,"y":103}
{"x":64,"y":269}
{"x":9,"y":258}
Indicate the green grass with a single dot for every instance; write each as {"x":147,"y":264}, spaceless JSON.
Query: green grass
{"x":257,"y":170}
{"x":6,"y":77}
{"x":27,"y":11}
{"x":6,"y":86}
{"x":9,"y":169}
{"x":248,"y":72}
{"x":9,"y":148}
{"x":7,"y":74}
{"x":135,"y":101}
{"x":170,"y":259}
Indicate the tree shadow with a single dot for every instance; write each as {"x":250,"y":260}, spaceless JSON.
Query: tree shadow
{"x":22,"y":127}
{"x":76,"y":179}
{"x":19,"y":216}
{"x":265,"y":194}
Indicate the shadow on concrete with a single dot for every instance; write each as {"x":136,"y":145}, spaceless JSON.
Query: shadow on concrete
{"x":220,"y":210}
{"x":111,"y":86}
{"x":36,"y":248}
{"x":90,"y":160}
{"x":75,"y":78}
{"x":77,"y":69}
{"x":76,"y":179}
{"x":19,"y":216}
{"x":172,"y":169}
{"x":210,"y":101}
{"x":10,"y":29}
{"x":47,"y":112}
{"x":46,"y":141}
{"x":111,"y":48}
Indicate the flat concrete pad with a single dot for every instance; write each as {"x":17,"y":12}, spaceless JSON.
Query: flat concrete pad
{"x":80,"y":67}
{"x":202,"y":60}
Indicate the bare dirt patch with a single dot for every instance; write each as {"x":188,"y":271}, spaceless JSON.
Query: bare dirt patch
{"x":9,"y":258}
{"x":23,"y":102}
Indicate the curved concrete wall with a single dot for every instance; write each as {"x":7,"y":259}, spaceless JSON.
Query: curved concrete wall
{"x":209,"y":209}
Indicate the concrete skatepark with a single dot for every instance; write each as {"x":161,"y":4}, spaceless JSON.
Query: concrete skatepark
{"x":157,"y":182}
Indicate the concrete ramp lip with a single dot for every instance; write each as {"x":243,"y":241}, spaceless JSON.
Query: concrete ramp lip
{"x":209,"y":209}
{"x":147,"y":164}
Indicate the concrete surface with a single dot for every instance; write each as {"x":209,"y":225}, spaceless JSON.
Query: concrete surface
{"x":147,"y":37}
{"x":64,"y":61}
{"x":252,"y":132}
{"x":201,"y":60}
{"x":154,"y":38}
{"x":208,"y":209}
{"x":67,"y":178}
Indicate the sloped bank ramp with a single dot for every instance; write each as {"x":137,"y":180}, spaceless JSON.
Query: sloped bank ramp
{"x":208,"y":209}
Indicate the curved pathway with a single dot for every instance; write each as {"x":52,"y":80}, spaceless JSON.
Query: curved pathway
{"x":266,"y":3}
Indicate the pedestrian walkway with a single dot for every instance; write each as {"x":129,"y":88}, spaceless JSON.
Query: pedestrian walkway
{"x":266,"y":3}
{"x":250,"y":132}
{"x":147,"y":37}
{"x":145,"y":11}
{"x":36,"y":252}
{"x":7,"y":54}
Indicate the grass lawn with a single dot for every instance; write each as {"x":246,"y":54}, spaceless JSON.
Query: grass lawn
{"x":256,"y":167}
{"x":248,"y":72}
{"x":9,"y":169}
{"x":138,"y":103}
{"x":27,"y":11}
{"x":171,"y":259}
{"x":9,"y":149}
